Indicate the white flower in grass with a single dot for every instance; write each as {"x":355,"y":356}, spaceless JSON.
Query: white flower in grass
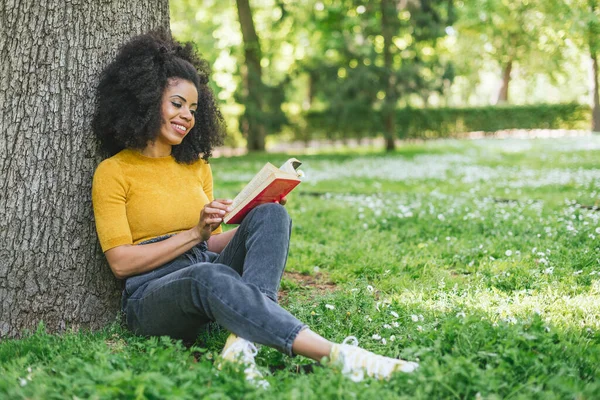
{"x":549,"y":271}
{"x":376,"y":337}
{"x":414,"y":317}
{"x":461,"y":314}
{"x":330,"y":306}
{"x":508,"y":253}
{"x":22,"y":382}
{"x":383,"y":341}
{"x":598,"y":231}
{"x":395,"y":324}
{"x":578,"y":272}
{"x":420,"y":328}
{"x":392,"y":338}
{"x":387,"y":326}
{"x":441,"y":217}
{"x":357,"y":375}
{"x":394,"y":314}
{"x":370,"y":288}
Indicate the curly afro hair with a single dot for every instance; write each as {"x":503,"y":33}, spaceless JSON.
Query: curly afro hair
{"x":129,"y":95}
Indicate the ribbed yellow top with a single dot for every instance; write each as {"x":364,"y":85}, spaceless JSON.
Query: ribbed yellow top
{"x":137,"y":198}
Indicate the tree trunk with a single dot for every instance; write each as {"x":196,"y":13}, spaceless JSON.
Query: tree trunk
{"x":252,"y":78}
{"x":596,"y":109}
{"x":51,"y":53}
{"x":503,"y":95}
{"x":594,"y":44}
{"x":388,"y":9}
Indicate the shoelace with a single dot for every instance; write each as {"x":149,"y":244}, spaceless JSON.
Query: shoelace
{"x":375,"y":365}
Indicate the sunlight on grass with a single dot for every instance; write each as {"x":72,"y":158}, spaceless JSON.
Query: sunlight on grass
{"x":480,"y":259}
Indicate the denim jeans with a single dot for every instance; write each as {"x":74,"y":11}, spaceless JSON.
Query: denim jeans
{"x":236,"y":288}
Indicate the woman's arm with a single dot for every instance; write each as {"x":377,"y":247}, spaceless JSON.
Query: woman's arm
{"x":128,"y":260}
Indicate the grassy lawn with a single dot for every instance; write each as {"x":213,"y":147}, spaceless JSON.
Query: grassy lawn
{"x":480,"y":259}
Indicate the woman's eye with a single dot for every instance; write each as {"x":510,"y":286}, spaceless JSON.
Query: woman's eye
{"x":176,"y":104}
{"x":193,"y":112}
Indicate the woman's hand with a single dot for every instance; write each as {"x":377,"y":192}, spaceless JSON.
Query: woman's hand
{"x":211,"y":217}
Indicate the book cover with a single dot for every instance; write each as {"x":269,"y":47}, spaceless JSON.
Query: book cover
{"x":269,"y":185}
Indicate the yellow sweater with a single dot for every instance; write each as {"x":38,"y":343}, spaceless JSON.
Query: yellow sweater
{"x":137,"y":198}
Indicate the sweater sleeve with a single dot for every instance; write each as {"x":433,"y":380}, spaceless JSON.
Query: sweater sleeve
{"x":109,"y":194}
{"x":207,"y":187}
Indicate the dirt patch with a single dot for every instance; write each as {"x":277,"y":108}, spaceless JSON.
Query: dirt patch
{"x":317,"y":284}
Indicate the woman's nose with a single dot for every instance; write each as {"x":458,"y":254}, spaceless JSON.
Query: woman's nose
{"x":187,"y":114}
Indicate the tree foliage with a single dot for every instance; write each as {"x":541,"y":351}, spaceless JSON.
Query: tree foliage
{"x":353,"y":57}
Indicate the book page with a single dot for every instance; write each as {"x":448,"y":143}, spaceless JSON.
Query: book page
{"x":258,"y":179}
{"x":290,"y":166}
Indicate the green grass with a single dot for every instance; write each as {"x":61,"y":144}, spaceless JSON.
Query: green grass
{"x":479,"y":259}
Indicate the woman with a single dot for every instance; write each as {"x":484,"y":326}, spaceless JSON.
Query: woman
{"x":159,"y":224}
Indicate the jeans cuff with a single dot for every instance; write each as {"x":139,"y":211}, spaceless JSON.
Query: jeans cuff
{"x":291,"y":337}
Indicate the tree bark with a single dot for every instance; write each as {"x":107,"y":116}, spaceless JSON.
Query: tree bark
{"x":503,"y":95}
{"x":594,"y":45}
{"x":51,"y":53}
{"x":389,"y":106}
{"x":252,"y":126}
{"x":596,"y":109}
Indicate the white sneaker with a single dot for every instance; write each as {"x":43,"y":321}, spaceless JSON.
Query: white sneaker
{"x":356,"y":362}
{"x":239,"y":350}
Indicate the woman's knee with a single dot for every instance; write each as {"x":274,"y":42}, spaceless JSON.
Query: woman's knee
{"x":272,"y":212}
{"x":207,"y":274}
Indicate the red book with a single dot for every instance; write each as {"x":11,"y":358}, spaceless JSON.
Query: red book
{"x":269,"y":185}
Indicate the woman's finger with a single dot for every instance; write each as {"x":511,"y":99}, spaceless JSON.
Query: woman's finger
{"x":213,"y":220}
{"x":214,"y":211}
{"x":224,"y":201}
{"x":223,"y":204}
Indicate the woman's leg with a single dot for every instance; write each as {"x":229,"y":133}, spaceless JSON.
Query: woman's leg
{"x":259,"y":249}
{"x":312,"y":345}
{"x":181,"y":302}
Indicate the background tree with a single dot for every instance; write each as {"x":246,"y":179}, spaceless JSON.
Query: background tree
{"x":251,"y":122}
{"x":262,"y":113}
{"x":525,"y":33}
{"x":374,"y":56}
{"x":51,"y":53}
{"x":582,"y":19}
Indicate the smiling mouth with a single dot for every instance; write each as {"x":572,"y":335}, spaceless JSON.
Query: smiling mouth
{"x":179,"y":128}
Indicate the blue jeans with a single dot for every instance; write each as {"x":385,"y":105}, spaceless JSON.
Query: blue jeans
{"x":237,"y":288}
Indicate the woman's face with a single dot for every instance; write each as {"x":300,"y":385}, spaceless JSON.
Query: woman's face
{"x":179,"y":104}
